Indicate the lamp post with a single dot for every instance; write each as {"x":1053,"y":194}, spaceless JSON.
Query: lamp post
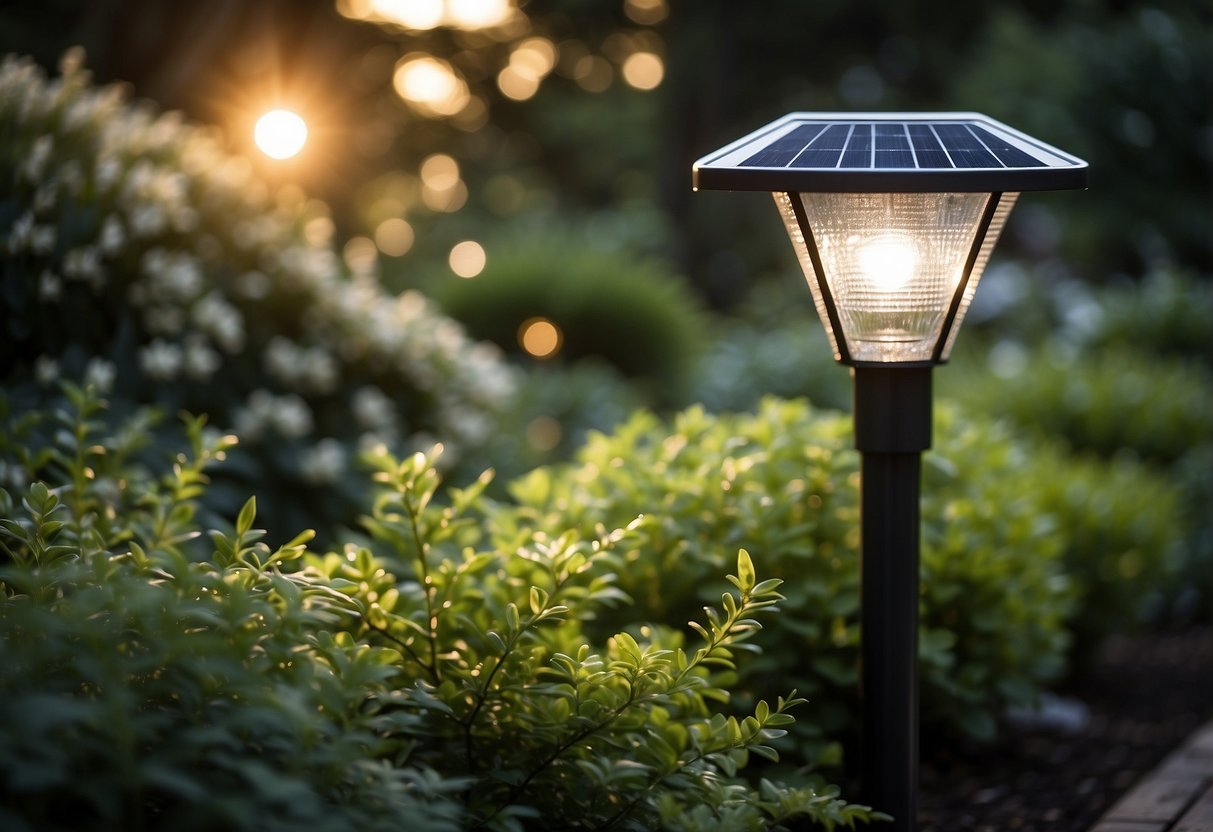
{"x":893,"y":217}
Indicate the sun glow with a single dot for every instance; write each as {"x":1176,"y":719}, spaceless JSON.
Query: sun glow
{"x":280,"y":134}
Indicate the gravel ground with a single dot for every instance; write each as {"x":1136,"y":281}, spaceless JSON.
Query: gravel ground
{"x":1142,"y":696}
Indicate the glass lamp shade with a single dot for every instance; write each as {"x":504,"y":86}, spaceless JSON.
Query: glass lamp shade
{"x":893,"y":274}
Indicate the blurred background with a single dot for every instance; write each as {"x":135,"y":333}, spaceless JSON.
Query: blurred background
{"x":526,"y":164}
{"x":435,"y":121}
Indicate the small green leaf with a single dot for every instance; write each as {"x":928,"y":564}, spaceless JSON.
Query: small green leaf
{"x":248,"y":514}
{"x":745,"y":570}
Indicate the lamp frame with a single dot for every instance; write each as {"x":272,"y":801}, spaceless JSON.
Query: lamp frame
{"x":827,"y":295}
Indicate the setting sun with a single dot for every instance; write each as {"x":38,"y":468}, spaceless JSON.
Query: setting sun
{"x":280,"y":134}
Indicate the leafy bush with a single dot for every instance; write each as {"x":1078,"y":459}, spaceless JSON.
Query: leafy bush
{"x":1108,"y":401}
{"x":188,"y":281}
{"x":1121,"y":89}
{"x":994,"y":600}
{"x":630,"y":312}
{"x":152,"y":678}
{"x":774,"y":346}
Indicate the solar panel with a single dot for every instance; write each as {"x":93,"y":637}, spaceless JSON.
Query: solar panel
{"x":888,"y":152}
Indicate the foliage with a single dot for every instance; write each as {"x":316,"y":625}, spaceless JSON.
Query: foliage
{"x":773,"y":346}
{"x":191,"y":282}
{"x":154,"y":678}
{"x":555,"y":407}
{"x":1122,"y":90}
{"x":1004,"y":565}
{"x":783,"y":480}
{"x":629,"y":312}
{"x":1108,"y":401}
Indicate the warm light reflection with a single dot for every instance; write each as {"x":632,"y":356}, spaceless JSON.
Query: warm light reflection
{"x":544,"y":433}
{"x":540,"y":337}
{"x":440,"y":172}
{"x":477,"y":14}
{"x":360,"y":255}
{"x":280,"y":134}
{"x":593,"y":73}
{"x":430,"y":85}
{"x":643,"y":70}
{"x":516,"y":85}
{"x":414,"y":14}
{"x":646,"y":12}
{"x":394,"y":236}
{"x":467,"y":258}
{"x":887,"y":261}
{"x":422,"y":15}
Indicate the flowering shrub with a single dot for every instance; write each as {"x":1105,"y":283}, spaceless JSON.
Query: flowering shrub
{"x":153,"y":678}
{"x":142,"y":256}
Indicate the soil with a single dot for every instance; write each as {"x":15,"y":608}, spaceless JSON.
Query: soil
{"x":1143,"y":695}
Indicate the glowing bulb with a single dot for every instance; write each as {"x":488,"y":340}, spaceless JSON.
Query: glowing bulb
{"x":888,"y":261}
{"x":280,"y":134}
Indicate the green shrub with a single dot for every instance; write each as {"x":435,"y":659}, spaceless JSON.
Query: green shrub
{"x":139,"y":252}
{"x":630,"y":312}
{"x":995,"y":598}
{"x":153,"y":678}
{"x":1107,"y":401}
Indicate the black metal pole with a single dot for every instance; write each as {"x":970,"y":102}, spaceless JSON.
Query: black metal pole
{"x":892,"y":412}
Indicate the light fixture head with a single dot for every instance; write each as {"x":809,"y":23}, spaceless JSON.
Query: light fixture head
{"x":892,"y":215}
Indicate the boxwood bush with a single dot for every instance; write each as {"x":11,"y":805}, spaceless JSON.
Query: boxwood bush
{"x":138,"y":250}
{"x":155,"y":678}
{"x":632,"y":312}
{"x":1004,"y":566}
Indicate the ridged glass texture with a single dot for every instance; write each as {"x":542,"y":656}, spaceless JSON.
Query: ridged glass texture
{"x":806,"y":264}
{"x":1005,"y":204}
{"x":893,"y":263}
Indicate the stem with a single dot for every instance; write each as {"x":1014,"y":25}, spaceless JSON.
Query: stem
{"x":404,"y":645}
{"x":431,"y":622}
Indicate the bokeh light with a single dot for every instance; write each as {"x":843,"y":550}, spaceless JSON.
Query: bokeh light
{"x":477,"y":14}
{"x":430,"y":85}
{"x":646,"y":12}
{"x":544,"y":433}
{"x":280,"y":134}
{"x":361,"y":255}
{"x":540,"y":337}
{"x":643,"y":70}
{"x":467,"y":259}
{"x":394,"y":236}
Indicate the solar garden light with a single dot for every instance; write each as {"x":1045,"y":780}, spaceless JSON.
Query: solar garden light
{"x":893,"y":217}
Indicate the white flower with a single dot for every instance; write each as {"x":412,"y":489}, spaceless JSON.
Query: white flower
{"x":50,"y":285}
{"x":35,"y":163}
{"x":201,"y":361}
{"x":222,"y":321}
{"x":372,"y":409}
{"x":292,"y":417}
{"x":112,"y":237}
{"x":19,"y":234}
{"x":251,"y":420}
{"x":46,"y":370}
{"x":161,"y":360}
{"x":324,"y":462}
{"x":108,"y":171}
{"x":254,"y":285}
{"x":100,"y":374}
{"x":83,"y":264}
{"x":42,"y":239}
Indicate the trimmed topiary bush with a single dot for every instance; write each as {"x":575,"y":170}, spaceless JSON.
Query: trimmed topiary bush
{"x":154,"y":678}
{"x":630,"y":312}
{"x":138,"y":251}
